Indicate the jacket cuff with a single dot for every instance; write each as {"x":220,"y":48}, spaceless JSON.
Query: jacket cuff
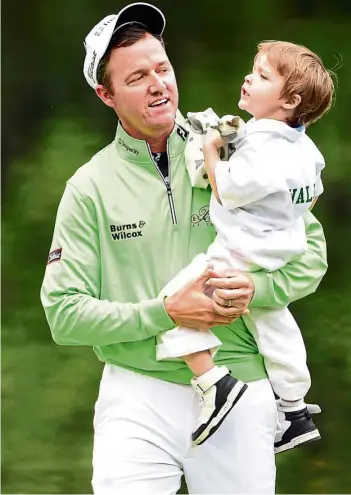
{"x":264,"y":292}
{"x":159,"y":319}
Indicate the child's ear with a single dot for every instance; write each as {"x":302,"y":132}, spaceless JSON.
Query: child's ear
{"x":292,"y":103}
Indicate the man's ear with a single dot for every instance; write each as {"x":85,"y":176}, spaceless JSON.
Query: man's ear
{"x":292,"y":103}
{"x":104,"y":95}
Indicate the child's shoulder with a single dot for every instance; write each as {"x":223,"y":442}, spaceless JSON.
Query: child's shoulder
{"x":266,"y":141}
{"x":272,"y":136}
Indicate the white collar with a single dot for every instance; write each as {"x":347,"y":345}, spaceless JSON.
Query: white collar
{"x":274,"y":126}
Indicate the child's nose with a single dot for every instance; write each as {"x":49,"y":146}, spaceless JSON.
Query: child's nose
{"x":248,"y":78}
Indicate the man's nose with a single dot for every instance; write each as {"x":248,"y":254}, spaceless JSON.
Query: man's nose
{"x":157,"y":84}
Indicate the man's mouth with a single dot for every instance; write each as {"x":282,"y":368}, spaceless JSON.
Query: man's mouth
{"x":159,"y":103}
{"x":244,"y":92}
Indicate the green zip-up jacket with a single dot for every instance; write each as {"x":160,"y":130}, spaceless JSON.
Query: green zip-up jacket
{"x":122,"y":232}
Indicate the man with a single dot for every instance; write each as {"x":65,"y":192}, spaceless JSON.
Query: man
{"x":127,"y":223}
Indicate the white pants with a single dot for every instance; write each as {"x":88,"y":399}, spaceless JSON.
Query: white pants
{"x":142,"y":441}
{"x":277,"y":335}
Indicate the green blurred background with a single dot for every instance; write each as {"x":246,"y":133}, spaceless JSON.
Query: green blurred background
{"x":53,"y":123}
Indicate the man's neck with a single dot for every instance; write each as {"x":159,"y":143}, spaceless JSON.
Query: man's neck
{"x":157,"y":143}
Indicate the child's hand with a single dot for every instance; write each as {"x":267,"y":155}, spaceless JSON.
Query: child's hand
{"x":212,"y":139}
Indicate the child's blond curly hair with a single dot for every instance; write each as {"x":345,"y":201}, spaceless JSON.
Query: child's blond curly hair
{"x":304,"y":75}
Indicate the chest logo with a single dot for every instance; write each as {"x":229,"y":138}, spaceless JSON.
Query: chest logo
{"x":202,"y":218}
{"x":127,"y":230}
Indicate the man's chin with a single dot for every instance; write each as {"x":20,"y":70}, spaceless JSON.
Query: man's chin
{"x":162,"y":121}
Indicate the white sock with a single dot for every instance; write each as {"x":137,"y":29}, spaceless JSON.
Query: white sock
{"x":211,"y":377}
{"x":291,"y":403}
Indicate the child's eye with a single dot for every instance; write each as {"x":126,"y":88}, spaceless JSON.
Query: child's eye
{"x":263,"y":77}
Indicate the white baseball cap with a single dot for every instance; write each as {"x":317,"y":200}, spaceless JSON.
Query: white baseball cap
{"x":98,"y":39}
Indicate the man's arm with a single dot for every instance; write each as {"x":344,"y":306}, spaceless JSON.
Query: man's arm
{"x":297,"y":279}
{"x":70,"y":293}
{"x":71,"y":289}
{"x":293,"y":281}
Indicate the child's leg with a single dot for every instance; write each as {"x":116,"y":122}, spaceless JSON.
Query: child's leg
{"x":295,"y":425}
{"x":218,"y":390}
{"x":195,"y":268}
{"x":280,"y":342}
{"x":199,"y":362}
{"x":182,"y":341}
{"x":215,"y":385}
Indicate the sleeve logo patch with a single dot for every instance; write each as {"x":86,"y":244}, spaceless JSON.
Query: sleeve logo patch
{"x":54,"y":255}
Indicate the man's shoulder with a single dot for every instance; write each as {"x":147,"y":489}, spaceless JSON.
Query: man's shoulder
{"x":91,"y":172}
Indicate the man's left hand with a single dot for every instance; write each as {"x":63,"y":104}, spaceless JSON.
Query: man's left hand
{"x":233,"y":292}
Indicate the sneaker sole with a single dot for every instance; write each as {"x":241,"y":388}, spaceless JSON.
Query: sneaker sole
{"x":216,"y":422}
{"x":309,"y":437}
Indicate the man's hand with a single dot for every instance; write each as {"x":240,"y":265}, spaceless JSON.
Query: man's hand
{"x":233,"y":292}
{"x":190,"y":307}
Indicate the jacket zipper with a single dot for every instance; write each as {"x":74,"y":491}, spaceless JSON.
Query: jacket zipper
{"x":167,"y":182}
{"x":170,"y":199}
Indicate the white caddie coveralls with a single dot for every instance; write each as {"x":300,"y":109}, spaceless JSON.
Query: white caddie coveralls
{"x":265,"y":188}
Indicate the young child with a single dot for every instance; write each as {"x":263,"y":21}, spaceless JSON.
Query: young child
{"x":258,"y":200}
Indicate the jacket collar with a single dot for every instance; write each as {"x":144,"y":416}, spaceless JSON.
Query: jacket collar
{"x":276,"y":127}
{"x":136,"y":150}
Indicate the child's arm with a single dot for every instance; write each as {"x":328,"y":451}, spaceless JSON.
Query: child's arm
{"x":251,"y":173}
{"x":211,"y":144}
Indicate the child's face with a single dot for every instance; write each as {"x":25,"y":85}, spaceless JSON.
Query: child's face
{"x":261,"y":91}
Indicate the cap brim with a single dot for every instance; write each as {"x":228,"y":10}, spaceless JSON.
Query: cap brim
{"x":142,"y":13}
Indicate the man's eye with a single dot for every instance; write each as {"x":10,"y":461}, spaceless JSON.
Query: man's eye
{"x":163,"y":69}
{"x":135,"y":79}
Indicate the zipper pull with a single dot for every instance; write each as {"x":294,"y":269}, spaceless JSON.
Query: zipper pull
{"x":168,"y":185}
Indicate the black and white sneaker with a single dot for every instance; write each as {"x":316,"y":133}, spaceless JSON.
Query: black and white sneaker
{"x":295,"y":426}
{"x":219,"y":392}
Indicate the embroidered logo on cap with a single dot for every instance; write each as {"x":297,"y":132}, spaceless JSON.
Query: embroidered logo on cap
{"x":91,"y":66}
{"x":102,"y":26}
